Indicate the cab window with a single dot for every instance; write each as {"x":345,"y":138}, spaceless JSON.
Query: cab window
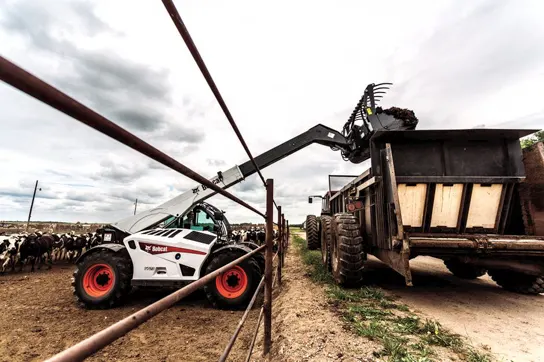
{"x":204,"y":221}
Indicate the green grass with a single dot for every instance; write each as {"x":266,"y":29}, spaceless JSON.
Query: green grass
{"x":372,"y":314}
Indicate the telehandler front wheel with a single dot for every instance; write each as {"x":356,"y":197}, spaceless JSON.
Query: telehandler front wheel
{"x":102,"y":279}
{"x":312,"y":232}
{"x":347,"y":253}
{"x":233,"y":288}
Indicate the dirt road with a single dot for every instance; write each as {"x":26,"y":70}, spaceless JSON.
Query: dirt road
{"x":39,"y":318}
{"x":509,"y":324}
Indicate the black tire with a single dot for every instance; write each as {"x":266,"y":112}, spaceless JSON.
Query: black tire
{"x":117,"y":266}
{"x":312,"y":232}
{"x":240,"y":299}
{"x":326,"y":241}
{"x":347,"y":253}
{"x":259,"y":256}
{"x":464,"y":270}
{"x":518,"y":282}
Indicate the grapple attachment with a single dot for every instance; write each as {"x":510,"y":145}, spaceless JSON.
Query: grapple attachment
{"x":366,"y":119}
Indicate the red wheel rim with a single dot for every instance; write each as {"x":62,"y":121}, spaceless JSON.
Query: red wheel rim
{"x":98,"y":280}
{"x":232,"y":283}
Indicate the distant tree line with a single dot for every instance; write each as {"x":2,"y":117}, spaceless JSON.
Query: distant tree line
{"x":532,"y":139}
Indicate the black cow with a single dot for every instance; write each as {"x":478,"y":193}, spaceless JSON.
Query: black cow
{"x":29,"y":250}
{"x":46,"y":249}
{"x":261,"y":236}
{"x":4,"y":246}
{"x":74,"y":246}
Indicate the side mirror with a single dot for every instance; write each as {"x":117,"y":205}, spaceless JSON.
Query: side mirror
{"x":218,"y":216}
{"x":310,"y":200}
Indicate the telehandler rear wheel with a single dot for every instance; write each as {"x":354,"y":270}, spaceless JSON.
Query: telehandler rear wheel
{"x":347,"y":254}
{"x":233,"y":288}
{"x":312,"y":232}
{"x":464,"y":270}
{"x":518,"y":282}
{"x":326,"y":240}
{"x":103,"y":279}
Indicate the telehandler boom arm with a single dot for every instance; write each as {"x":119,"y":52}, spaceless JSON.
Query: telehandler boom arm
{"x":353,"y":143}
{"x":180,"y":204}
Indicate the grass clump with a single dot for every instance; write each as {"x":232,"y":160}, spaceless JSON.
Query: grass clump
{"x":372,"y":314}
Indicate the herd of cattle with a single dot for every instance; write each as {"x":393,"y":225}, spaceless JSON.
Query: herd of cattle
{"x":38,"y":249}
{"x":255,"y":235}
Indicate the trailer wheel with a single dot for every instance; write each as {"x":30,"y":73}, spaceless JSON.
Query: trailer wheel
{"x":347,"y":254}
{"x":102,"y":279}
{"x":518,"y":282}
{"x":233,"y":288}
{"x":312,"y":232}
{"x":326,"y":237}
{"x":464,"y":270}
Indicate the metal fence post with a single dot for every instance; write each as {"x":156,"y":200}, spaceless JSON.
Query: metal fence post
{"x":268,"y":266}
{"x":283,"y":240}
{"x":279,"y":224}
{"x":280,"y":245}
{"x":288,"y":233}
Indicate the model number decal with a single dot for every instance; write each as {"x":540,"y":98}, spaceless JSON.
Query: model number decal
{"x":149,"y":268}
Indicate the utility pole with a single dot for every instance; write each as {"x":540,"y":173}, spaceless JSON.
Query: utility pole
{"x":135,"y":206}
{"x":31,"y":205}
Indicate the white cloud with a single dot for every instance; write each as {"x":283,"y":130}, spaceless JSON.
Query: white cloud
{"x":281,"y":67}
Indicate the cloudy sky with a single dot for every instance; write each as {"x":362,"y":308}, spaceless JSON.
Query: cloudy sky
{"x":281,"y":66}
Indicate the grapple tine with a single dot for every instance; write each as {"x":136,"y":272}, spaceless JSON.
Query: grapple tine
{"x":380,"y":84}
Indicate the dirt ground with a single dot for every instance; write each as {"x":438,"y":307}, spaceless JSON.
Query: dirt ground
{"x":304,"y":327}
{"x":508,"y":324}
{"x":39,"y":318}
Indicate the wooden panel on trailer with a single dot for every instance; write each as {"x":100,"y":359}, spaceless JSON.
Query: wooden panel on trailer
{"x":484,"y":205}
{"x":446,"y":206}
{"x":412,"y":203}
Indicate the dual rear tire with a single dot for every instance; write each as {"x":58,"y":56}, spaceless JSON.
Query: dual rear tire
{"x":518,"y":282}
{"x":464,"y":270}
{"x":342,"y":248}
